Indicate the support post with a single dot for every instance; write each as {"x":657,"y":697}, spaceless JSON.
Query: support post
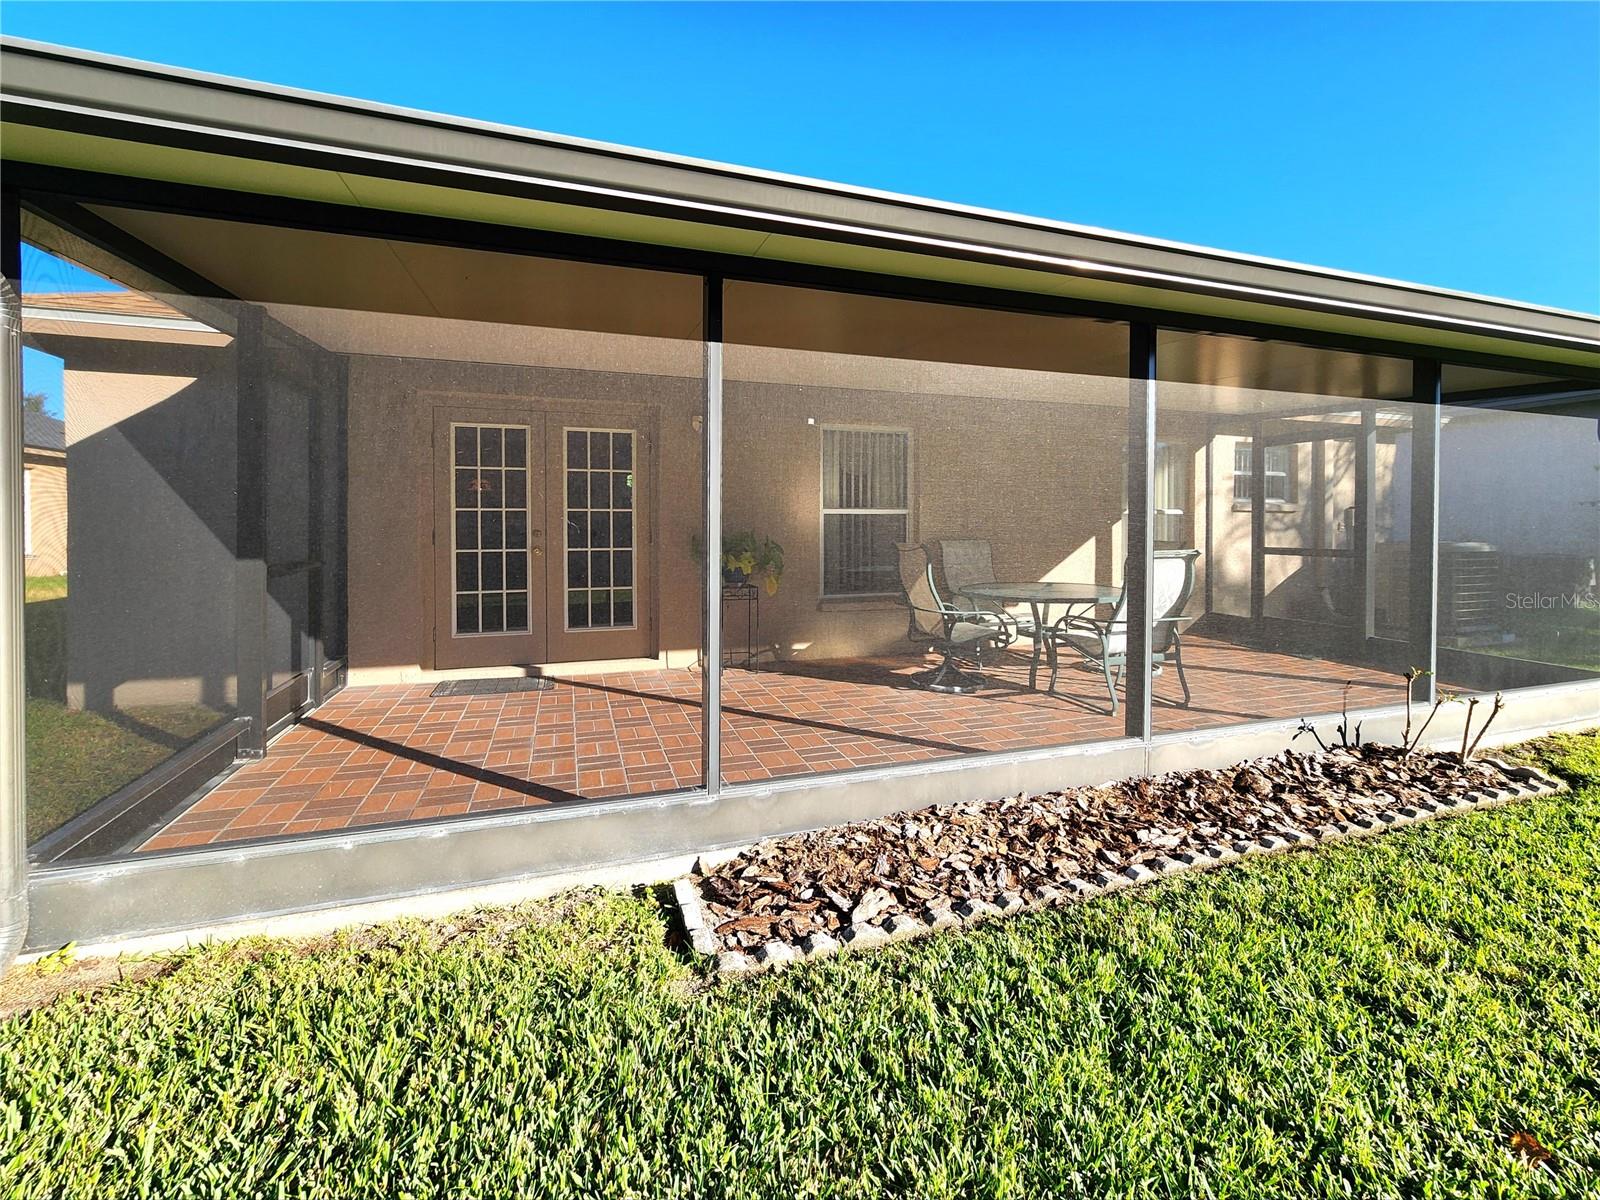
{"x":1364,"y":537}
{"x":711,"y":677}
{"x":1258,"y":521}
{"x":336,"y":587}
{"x":316,"y":549}
{"x":1209,"y":492}
{"x":1139,"y":572}
{"x":1423,"y":588}
{"x":250,"y":533}
{"x":13,"y":776}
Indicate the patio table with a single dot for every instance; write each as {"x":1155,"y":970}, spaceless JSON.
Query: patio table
{"x":1041,"y":597}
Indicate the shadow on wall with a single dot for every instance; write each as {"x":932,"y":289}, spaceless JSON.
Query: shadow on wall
{"x":151,"y":432}
{"x":44,"y":634}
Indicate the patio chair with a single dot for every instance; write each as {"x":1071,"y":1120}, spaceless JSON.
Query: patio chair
{"x":1105,"y":643}
{"x":958,"y":634}
{"x":968,"y":561}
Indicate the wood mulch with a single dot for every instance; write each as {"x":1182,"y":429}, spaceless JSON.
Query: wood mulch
{"x":919,"y":863}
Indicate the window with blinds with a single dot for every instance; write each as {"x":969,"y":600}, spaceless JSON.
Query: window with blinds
{"x":865,"y":509}
{"x":1277,"y":472}
{"x":1171,"y":484}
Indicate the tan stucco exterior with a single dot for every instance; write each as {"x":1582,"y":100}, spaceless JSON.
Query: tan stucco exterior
{"x":1035,"y":466}
{"x":1055,"y":512}
{"x":1041,"y":482}
{"x":45,"y":484}
{"x":148,"y":480}
{"x":1033,"y":461}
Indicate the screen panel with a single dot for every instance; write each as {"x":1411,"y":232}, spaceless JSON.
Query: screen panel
{"x":362,"y":458}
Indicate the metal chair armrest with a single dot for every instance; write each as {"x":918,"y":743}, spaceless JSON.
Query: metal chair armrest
{"x":1106,"y":628}
{"x":953,"y":616}
{"x":1080,"y":624}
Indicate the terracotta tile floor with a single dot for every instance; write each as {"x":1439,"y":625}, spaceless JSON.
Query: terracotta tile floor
{"x":388,"y":754}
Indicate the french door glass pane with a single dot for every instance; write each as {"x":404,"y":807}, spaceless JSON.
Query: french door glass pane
{"x":599,"y":528}
{"x":491,"y":528}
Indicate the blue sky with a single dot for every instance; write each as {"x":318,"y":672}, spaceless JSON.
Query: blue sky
{"x":43,"y":272}
{"x":1452,"y":144}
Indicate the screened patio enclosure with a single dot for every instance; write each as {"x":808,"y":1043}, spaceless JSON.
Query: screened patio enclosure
{"x":363,"y":468}
{"x":408,"y":548}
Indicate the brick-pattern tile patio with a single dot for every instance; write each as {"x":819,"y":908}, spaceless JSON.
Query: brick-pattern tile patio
{"x":388,"y":754}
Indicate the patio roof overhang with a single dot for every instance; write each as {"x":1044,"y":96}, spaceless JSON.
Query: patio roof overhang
{"x":77,"y":111}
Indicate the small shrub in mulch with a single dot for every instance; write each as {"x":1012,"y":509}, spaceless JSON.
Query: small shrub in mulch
{"x":918,"y":864}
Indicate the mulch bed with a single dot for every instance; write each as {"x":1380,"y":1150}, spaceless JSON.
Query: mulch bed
{"x":1025,"y":849}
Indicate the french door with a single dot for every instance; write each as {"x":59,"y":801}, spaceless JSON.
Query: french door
{"x":541,"y":537}
{"x":489,"y":538}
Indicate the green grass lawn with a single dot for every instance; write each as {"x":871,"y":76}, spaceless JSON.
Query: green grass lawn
{"x":1569,"y":637}
{"x":44,"y":587}
{"x":1371,"y":1019}
{"x":76,"y":759}
{"x":44,"y":638}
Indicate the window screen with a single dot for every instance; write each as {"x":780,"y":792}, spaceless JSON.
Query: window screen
{"x":864,"y":509}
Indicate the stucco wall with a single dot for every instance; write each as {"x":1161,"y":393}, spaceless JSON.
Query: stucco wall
{"x":1042,"y":482}
{"x":47,"y":513}
{"x":150,"y":485}
{"x":153,"y":428}
{"x":1528,"y":483}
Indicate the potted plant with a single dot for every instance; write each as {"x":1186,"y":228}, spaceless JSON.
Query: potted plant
{"x":746,"y":557}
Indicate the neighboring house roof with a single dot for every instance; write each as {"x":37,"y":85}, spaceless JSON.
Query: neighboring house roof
{"x":41,"y":431}
{"x":121,"y":303}
{"x":122,"y":315}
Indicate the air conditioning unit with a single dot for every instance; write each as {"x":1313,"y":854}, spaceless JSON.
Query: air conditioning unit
{"x":1471,"y":587}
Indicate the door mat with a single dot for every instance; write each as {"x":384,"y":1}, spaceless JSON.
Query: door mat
{"x":491,"y":687}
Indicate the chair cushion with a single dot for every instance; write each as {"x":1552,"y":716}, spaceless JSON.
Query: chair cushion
{"x":1022,"y":620}
{"x":967,"y":632}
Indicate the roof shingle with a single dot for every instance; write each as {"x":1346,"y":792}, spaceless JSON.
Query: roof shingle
{"x":41,"y":431}
{"x":127,"y":304}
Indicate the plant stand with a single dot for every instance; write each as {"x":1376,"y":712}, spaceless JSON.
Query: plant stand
{"x":733,"y":594}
